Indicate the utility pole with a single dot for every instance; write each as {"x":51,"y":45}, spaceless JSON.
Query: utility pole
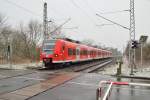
{"x":132,"y":37}
{"x":45,"y":21}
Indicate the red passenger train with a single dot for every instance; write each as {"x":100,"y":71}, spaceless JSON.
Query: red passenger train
{"x":62,"y":51}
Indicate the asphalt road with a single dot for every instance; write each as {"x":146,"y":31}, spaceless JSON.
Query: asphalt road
{"x":84,"y":88}
{"x":81,"y":88}
{"x":11,"y":80}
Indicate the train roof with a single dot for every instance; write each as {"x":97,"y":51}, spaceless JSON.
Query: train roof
{"x":78,"y":42}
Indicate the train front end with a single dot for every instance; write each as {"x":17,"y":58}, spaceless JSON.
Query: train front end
{"x":47,"y":52}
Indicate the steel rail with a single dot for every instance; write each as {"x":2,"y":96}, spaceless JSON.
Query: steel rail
{"x":79,"y":67}
{"x":94,"y":68}
{"x":87,"y":66}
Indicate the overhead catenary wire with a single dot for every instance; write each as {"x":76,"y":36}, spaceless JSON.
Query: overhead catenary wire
{"x":84,"y":12}
{"x":89,"y":6}
{"x":71,"y":27}
{"x":104,"y":24}
{"x":23,"y":8}
{"x":113,"y":12}
{"x":60,"y":25}
{"x":110,"y":12}
{"x":113,"y":22}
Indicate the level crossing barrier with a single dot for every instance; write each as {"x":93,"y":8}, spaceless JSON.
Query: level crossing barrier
{"x":104,"y":95}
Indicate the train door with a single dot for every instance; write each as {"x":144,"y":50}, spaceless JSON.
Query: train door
{"x":78,"y":53}
{"x":63,"y":52}
{"x":88,"y":53}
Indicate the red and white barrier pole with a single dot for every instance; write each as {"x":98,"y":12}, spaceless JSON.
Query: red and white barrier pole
{"x":107,"y":93}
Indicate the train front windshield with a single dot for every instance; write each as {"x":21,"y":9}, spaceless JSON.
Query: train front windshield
{"x":48,"y":46}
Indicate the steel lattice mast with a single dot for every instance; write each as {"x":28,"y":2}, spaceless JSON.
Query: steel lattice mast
{"x":132,"y":36}
{"x":45,"y":28}
{"x":131,"y":33}
{"x":132,"y":20}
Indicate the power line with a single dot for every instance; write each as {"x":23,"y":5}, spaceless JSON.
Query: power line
{"x":85,"y":13}
{"x":113,"y":22}
{"x":104,"y":24}
{"x":75,"y":27}
{"x":61,"y":25}
{"x":112,"y":12}
{"x":23,"y":8}
{"x":88,"y":5}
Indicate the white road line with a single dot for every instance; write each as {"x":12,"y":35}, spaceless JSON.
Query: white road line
{"x":85,"y":84}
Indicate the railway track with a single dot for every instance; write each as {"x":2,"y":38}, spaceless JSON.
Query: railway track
{"x":87,"y":67}
{"x":95,"y":67}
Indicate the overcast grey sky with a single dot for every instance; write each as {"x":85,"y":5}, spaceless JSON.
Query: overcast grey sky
{"x":83,"y":15}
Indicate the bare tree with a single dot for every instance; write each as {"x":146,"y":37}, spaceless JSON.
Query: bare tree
{"x":1,"y":20}
{"x":25,"y":40}
{"x":35,"y":31}
{"x":35,"y":38}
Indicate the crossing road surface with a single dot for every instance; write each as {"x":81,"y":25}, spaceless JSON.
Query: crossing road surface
{"x":46,"y":85}
{"x":84,"y":88}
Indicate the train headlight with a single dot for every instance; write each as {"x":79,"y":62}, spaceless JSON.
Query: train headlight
{"x":56,"y":55}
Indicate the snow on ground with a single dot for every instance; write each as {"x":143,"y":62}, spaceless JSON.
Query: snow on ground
{"x":20,"y":66}
{"x":139,"y":72}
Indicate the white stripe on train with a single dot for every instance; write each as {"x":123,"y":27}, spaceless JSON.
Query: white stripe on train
{"x":65,"y":61}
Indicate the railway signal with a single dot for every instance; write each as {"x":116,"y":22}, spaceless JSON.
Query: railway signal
{"x":134,"y":44}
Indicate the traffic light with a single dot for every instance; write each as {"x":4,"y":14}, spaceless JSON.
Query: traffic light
{"x":134,"y":44}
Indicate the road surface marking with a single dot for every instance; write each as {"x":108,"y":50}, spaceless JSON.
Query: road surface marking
{"x":85,"y":84}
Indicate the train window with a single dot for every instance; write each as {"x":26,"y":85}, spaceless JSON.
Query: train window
{"x":74,"y":51}
{"x":99,"y":53}
{"x":50,"y":41}
{"x":70,"y":52}
{"x":48,"y":47}
{"x":81,"y":52}
{"x":85,"y":52}
{"x":94,"y":52}
{"x":90,"y":52}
